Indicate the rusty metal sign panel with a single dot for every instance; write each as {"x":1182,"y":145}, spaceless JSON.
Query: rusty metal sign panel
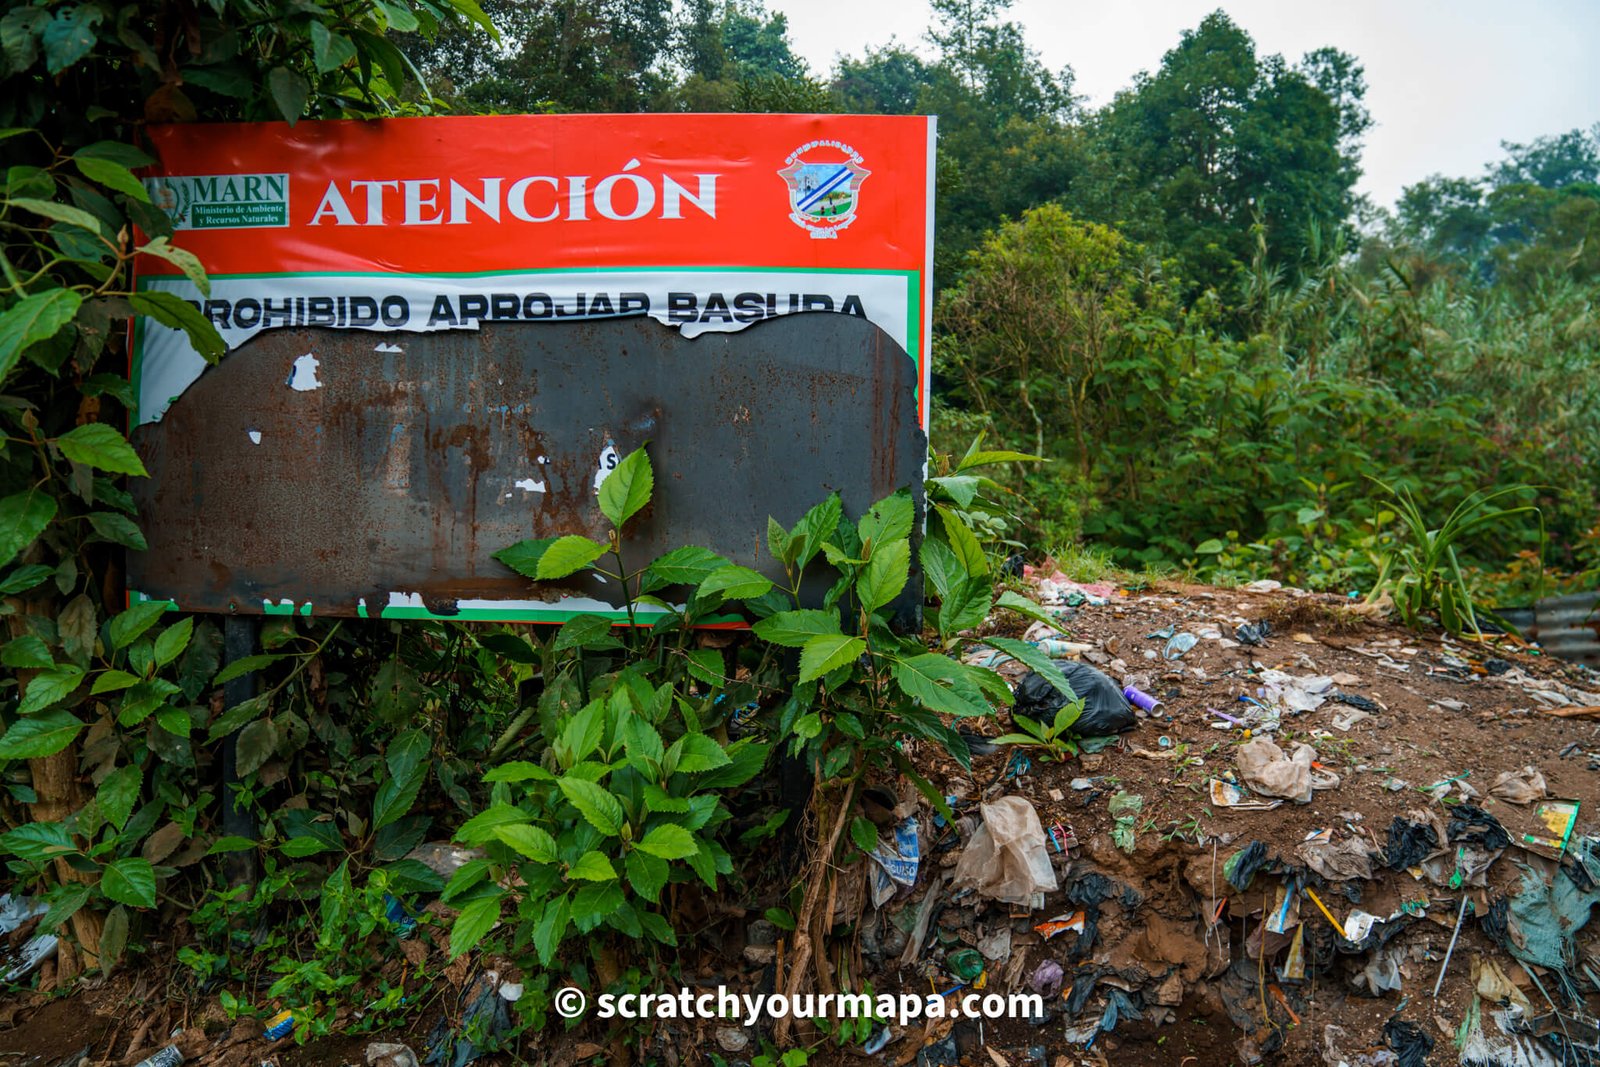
{"x":481,"y":291}
{"x":343,"y":473}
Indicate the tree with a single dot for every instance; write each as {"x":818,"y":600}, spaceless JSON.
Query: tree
{"x":1219,"y":139}
{"x":558,"y":55}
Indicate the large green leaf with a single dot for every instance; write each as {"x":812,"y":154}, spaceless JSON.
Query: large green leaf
{"x":477,"y":918}
{"x":523,"y":557}
{"x":1023,"y":606}
{"x":97,"y":445}
{"x":585,"y":631}
{"x":48,"y":687}
{"x":888,"y":520}
{"x":118,"y":529}
{"x":551,"y":928}
{"x":481,"y":827}
{"x":130,"y":881}
{"x":825,"y":652}
{"x":669,"y":842}
{"x":600,"y":808}
{"x":112,"y":175}
{"x":69,"y":35}
{"x":173,"y":640}
{"x":28,"y":652}
{"x":885,"y":574}
{"x":126,"y":627}
{"x":31,"y":320}
{"x":172,"y":310}
{"x":567,"y":555}
{"x":182,"y":258}
{"x":36,"y":736}
{"x":647,"y":874}
{"x":118,"y":793}
{"x":289,"y":91}
{"x":38,"y":841}
{"x":529,"y":840}
{"x":815,"y":527}
{"x":693,"y":753}
{"x":940,"y":684}
{"x":23,"y":517}
{"x":964,"y":543}
{"x":792,"y":629}
{"x":627,"y":488}
{"x":592,"y":867}
{"x":1037,"y":661}
{"x":734,"y":583}
{"x":407,"y":760}
{"x":689,"y":565}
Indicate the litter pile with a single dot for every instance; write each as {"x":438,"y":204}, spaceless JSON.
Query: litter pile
{"x":1292,"y":835}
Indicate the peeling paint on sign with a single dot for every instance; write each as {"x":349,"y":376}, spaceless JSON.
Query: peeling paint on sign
{"x":303,"y":378}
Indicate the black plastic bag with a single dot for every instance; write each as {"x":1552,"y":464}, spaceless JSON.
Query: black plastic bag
{"x":1476,"y":826}
{"x":1409,"y":844}
{"x":1105,"y":710}
{"x":1408,"y":1042}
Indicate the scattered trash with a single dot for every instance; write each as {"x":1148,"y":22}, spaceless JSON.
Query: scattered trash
{"x":485,"y":1018}
{"x":1253,"y":633}
{"x":1411,"y":842}
{"x":443,"y":858}
{"x":996,"y":947}
{"x":1105,"y":709}
{"x":167,"y":1056}
{"x":1346,"y":719}
{"x":390,"y":1054}
{"x":1548,"y":829}
{"x":1056,"y":647}
{"x":1408,"y":1042}
{"x":1520,"y":787}
{"x":1179,"y":644}
{"x":732,"y":1039}
{"x":1006,"y":859}
{"x":896,"y":864}
{"x":1061,"y":924}
{"x":1295,"y":694}
{"x":1338,"y":861}
{"x":1264,"y":768}
{"x":1229,"y":794}
{"x":1356,"y":700}
{"x":941,"y":1053}
{"x":1140,"y":699}
{"x":1241,"y":868}
{"x":17,"y":961}
{"x":1125,"y":808}
{"x":1047,"y":979}
{"x":966,"y":964}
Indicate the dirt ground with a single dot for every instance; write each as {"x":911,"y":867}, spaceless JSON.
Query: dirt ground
{"x":1166,"y":934}
{"x":1445,"y":709}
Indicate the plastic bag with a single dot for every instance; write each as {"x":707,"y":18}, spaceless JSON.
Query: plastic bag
{"x":1006,"y":859}
{"x":1105,"y":710}
{"x":1265,"y":768}
{"x":1520,"y":787}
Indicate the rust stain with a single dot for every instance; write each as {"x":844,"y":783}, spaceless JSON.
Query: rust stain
{"x":399,"y":474}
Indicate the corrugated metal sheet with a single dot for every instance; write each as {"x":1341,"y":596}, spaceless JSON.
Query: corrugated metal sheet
{"x":343,"y":469}
{"x":1569,"y":627}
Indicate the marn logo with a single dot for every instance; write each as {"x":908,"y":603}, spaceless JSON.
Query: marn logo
{"x":824,"y":180}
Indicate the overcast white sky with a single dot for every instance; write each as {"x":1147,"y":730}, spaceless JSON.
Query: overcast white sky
{"x":1448,"y":80}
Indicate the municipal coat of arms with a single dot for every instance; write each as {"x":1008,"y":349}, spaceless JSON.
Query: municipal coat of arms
{"x":824,"y":180}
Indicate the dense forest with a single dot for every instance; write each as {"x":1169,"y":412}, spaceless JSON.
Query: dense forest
{"x":1228,"y":355}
